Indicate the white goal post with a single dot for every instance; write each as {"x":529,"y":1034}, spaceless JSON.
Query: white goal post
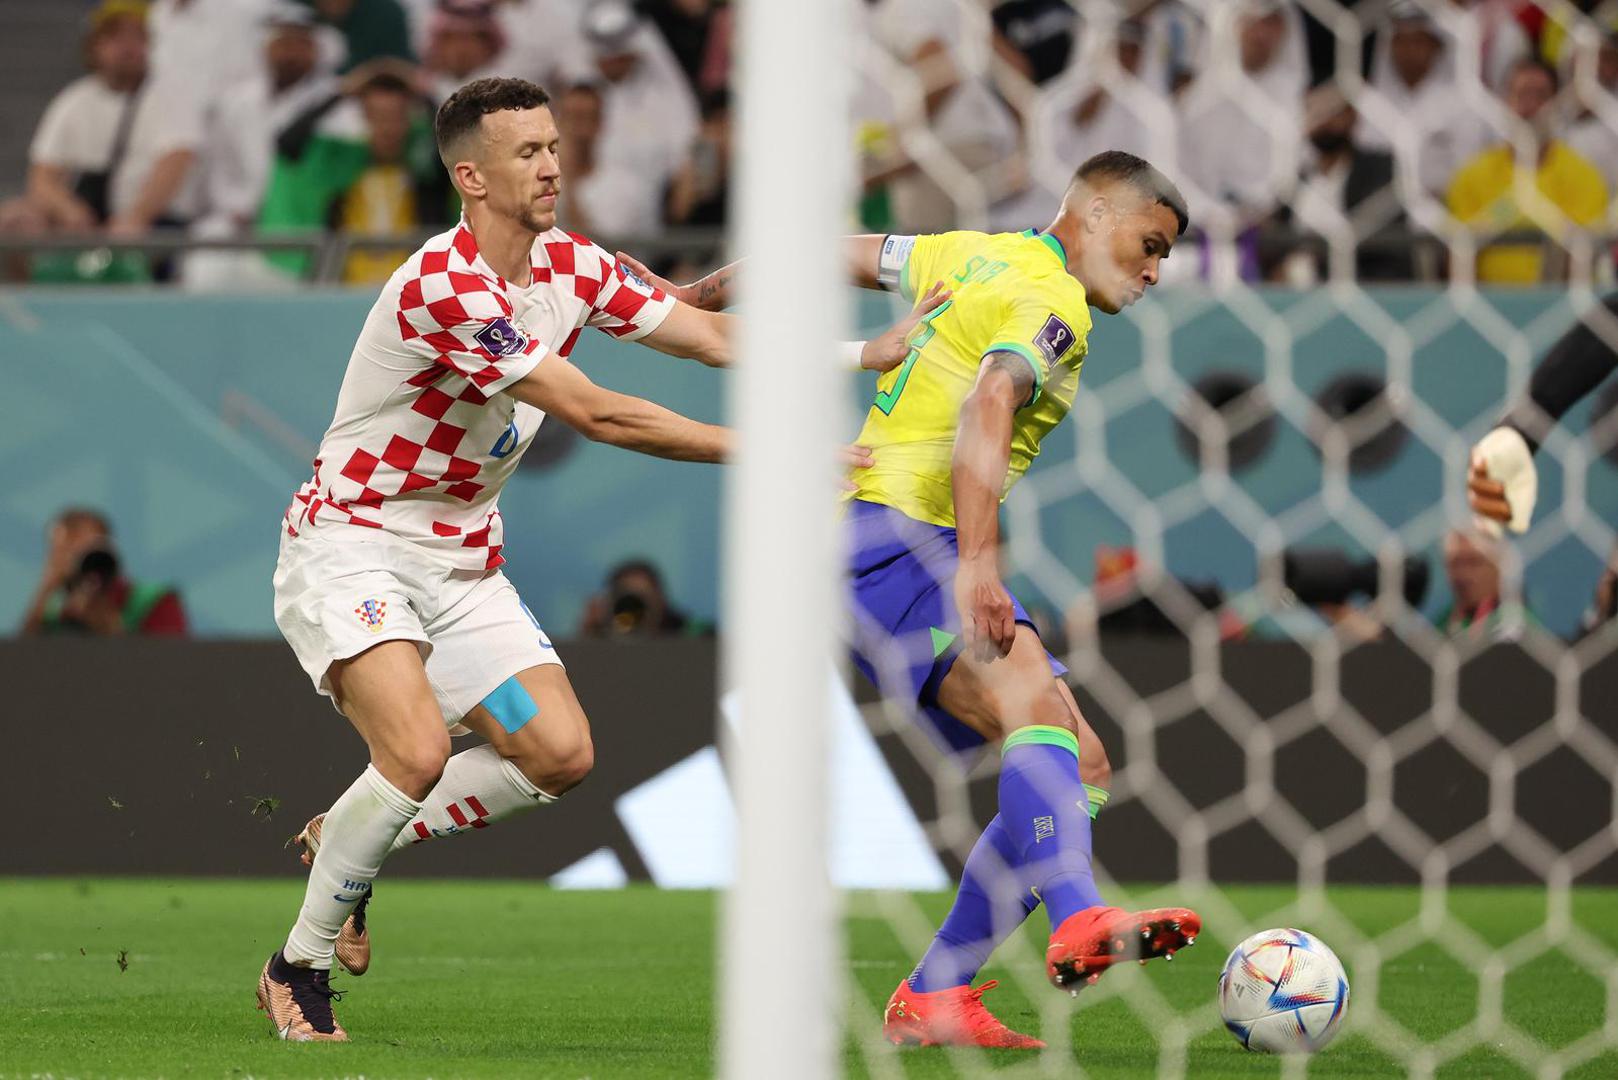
{"x":779,"y":924}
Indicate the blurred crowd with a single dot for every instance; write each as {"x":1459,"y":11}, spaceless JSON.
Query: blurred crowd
{"x":276,"y":117}
{"x":1484,"y":118}
{"x":1314,"y":591}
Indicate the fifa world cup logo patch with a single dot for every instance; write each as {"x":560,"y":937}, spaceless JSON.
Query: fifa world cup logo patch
{"x":372,"y":613}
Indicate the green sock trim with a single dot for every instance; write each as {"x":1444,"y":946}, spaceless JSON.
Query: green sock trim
{"x":1041,"y":735}
{"x":1098,"y":799}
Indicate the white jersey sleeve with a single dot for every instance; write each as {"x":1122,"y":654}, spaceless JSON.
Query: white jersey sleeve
{"x":627,"y":307}
{"x":596,"y":289}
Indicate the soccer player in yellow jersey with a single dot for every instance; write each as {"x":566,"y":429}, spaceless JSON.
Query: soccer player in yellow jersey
{"x":988,"y":375}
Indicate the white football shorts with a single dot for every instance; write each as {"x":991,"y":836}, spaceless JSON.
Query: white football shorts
{"x":336,"y":598}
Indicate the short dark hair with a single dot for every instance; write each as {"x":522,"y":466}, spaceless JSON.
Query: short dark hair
{"x":1139,"y":174}
{"x":465,"y":109}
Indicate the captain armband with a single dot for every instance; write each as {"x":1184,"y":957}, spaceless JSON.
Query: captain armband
{"x":890,"y":267}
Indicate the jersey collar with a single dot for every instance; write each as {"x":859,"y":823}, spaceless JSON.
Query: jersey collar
{"x":1050,"y":242}
{"x":467,"y":245}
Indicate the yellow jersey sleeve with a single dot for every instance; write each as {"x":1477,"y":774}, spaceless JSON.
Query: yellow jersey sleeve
{"x":1039,"y":325}
{"x":925,"y":264}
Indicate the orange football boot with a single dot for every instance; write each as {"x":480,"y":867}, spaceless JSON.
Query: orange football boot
{"x":1090,"y":941}
{"x":953,"y":1017}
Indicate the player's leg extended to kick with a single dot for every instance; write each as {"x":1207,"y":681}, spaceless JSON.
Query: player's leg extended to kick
{"x":385,"y":694}
{"x":1054,"y":778}
{"x":936,"y":1003}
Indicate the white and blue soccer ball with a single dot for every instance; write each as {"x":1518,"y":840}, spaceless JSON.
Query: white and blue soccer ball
{"x":1283,"y":992}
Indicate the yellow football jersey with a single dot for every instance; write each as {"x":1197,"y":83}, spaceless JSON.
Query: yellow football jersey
{"x":1010,"y":292}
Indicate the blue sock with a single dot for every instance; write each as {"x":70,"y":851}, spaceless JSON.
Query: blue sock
{"x":1045,"y":810}
{"x":990,"y":904}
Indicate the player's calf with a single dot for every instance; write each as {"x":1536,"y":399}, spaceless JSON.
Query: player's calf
{"x":353,"y":947}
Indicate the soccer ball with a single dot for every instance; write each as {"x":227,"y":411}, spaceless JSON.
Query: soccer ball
{"x":1283,"y":992}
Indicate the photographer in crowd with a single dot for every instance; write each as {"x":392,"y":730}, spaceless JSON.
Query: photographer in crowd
{"x":84,"y":591}
{"x":633,"y":603}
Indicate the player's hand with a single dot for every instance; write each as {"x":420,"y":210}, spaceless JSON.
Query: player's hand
{"x":856,"y":457}
{"x":988,"y":619}
{"x":888,"y":349}
{"x":1486,"y":497}
{"x":685,"y":294}
{"x":1502,"y":483}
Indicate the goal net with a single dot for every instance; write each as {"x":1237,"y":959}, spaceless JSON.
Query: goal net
{"x":1329,"y":700}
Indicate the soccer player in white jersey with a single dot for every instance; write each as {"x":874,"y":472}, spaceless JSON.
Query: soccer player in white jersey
{"x":388,"y":585}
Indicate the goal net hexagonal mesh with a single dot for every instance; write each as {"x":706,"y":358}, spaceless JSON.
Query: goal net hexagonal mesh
{"x":1431,"y":793}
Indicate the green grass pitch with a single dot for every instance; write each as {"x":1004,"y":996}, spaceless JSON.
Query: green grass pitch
{"x":479,"y":979}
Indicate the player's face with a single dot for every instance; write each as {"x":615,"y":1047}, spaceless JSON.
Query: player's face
{"x":1129,"y":237}
{"x":520,"y":167}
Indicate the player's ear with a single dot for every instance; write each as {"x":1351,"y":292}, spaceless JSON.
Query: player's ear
{"x":468,"y":180}
{"x":1095,"y":212}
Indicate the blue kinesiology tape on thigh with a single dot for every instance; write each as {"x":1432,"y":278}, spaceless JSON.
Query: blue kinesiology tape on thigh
{"x":511,"y":705}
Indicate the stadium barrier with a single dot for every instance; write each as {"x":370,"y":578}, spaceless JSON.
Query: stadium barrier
{"x":328,"y":250}
{"x":202,"y":759}
{"x":122,"y":398}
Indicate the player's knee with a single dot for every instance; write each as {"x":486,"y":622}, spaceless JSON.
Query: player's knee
{"x":1095,"y":768}
{"x":416,"y":769}
{"x":1050,"y":709}
{"x":557,"y":771}
{"x":571,"y":771}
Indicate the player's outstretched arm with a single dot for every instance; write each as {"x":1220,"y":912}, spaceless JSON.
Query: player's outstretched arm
{"x":713,"y":292}
{"x":606,"y":416}
{"x":689,"y":332}
{"x":977,"y":478}
{"x":705,"y":336}
{"x":1502,"y":482}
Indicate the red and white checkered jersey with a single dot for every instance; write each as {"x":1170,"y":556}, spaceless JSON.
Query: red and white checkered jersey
{"x":425,"y":436}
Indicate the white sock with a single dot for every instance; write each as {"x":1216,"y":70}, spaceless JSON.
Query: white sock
{"x":354,"y":840}
{"x":478,"y":787}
